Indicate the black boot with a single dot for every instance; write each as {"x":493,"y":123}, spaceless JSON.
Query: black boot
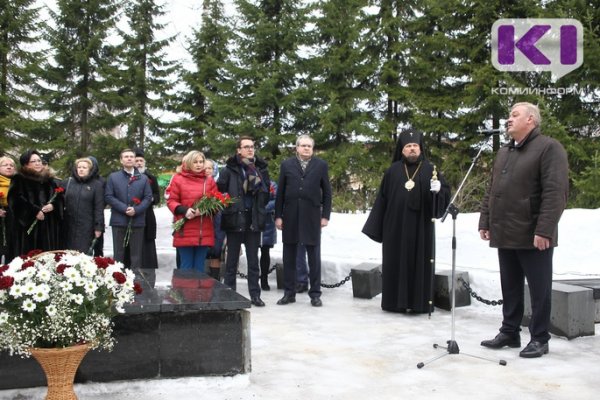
{"x":264,"y":282}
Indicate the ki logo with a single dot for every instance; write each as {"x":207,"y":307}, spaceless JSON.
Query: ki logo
{"x":537,"y":44}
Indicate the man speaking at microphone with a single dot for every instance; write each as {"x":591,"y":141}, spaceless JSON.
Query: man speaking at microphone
{"x":519,"y":216}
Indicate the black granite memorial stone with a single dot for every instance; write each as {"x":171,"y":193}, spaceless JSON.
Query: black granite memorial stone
{"x":195,"y":327}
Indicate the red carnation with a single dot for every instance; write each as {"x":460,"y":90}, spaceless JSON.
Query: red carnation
{"x":3,"y":268}
{"x":102,"y":262}
{"x":27,"y":264}
{"x":135,"y":201}
{"x":1,"y":195}
{"x":6,"y":282}
{"x":119,"y":277}
{"x":59,"y":190}
{"x":33,"y":253}
{"x":137,"y":288}
{"x":60,"y":269}
{"x":58,"y":256}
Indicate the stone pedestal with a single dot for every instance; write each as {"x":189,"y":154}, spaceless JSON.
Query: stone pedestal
{"x":442,"y":288}
{"x":593,"y":284}
{"x":573,"y":310}
{"x":366,"y":280}
{"x":196,"y":327}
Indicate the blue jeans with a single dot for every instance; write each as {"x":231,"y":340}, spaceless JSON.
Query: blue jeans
{"x":193,"y":257}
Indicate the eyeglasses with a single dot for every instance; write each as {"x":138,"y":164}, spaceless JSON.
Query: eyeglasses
{"x":35,"y":161}
{"x":247,"y":147}
{"x":305,"y":145}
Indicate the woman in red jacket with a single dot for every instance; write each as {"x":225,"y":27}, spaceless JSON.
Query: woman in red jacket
{"x":187,"y":187}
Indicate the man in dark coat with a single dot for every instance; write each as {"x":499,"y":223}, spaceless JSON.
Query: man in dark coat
{"x":149,"y":257}
{"x":409,"y":197}
{"x":246,"y":178}
{"x":519,"y":216}
{"x":129,"y":196}
{"x":302,"y":208}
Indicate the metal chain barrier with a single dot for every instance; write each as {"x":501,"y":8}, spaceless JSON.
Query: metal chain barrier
{"x":477,"y":297}
{"x":325,"y":285}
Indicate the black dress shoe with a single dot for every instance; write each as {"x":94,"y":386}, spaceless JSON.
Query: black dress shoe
{"x":301,"y":287}
{"x":534,"y":349}
{"x":501,"y":340}
{"x":257,"y":302}
{"x":316,"y":302}
{"x":286,"y":300}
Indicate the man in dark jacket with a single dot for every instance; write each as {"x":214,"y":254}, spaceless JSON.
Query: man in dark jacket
{"x":129,"y":195}
{"x":302,"y":208}
{"x":519,"y":216}
{"x":245,"y":178}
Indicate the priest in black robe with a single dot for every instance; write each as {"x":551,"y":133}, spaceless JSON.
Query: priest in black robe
{"x":411,"y":193}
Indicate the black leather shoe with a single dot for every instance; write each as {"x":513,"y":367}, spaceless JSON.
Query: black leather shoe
{"x":534,"y":349}
{"x":316,"y":302}
{"x":257,"y":302}
{"x":501,"y":340}
{"x":286,"y":300}
{"x":301,"y":287}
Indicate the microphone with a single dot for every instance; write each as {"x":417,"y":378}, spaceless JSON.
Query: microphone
{"x":490,"y":132}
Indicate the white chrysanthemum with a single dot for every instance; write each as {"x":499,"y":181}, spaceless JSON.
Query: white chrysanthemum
{"x":71,"y":274}
{"x":66,"y":286}
{"x":3,"y":318}
{"x":77,"y":298}
{"x":90,"y":288}
{"x":42,"y":293}
{"x":29,"y":288}
{"x":44,"y":274}
{"x":17,"y":291}
{"x":51,"y":310}
{"x":81,"y":282}
{"x":28,"y":305}
{"x":88,"y":267}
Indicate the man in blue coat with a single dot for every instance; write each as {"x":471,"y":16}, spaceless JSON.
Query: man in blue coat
{"x":302,"y":208}
{"x":129,"y":195}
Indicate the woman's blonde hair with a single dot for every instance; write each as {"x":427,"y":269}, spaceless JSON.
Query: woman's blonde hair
{"x":85,"y":160}
{"x":5,"y":158}
{"x":188,"y":160}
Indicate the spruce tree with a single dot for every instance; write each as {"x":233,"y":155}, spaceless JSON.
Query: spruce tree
{"x":81,"y":74}
{"x":146,"y":72}
{"x":19,"y":72}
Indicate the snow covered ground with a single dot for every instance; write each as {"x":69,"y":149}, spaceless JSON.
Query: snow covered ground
{"x":350,"y":349}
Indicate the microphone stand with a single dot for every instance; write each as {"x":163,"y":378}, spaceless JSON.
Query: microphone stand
{"x":452,"y":345}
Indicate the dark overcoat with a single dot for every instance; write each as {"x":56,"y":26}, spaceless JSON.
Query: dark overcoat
{"x":84,"y":210}
{"x":29,"y":192}
{"x":231,"y":181}
{"x":303,"y":198}
{"x":527,"y":193}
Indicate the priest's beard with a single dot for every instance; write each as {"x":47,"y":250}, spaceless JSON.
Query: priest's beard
{"x":412,"y":159}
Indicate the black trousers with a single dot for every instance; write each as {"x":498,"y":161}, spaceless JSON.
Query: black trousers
{"x":251,"y":241}
{"x":536,"y":267}
{"x":290,"y":251}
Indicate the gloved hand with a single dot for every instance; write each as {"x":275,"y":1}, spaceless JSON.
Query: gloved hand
{"x":435,"y":185}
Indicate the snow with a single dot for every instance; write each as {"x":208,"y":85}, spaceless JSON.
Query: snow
{"x":351,"y":349}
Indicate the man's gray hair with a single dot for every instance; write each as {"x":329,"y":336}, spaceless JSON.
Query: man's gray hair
{"x":533,"y":110}
{"x":304,"y":137}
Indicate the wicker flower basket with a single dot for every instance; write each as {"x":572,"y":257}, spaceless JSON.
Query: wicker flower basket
{"x":60,"y":366}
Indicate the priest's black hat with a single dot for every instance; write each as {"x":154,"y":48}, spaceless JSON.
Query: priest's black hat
{"x":139,"y":152}
{"x":407,"y":136}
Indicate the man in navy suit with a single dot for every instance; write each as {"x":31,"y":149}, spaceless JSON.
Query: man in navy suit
{"x":302,"y":208}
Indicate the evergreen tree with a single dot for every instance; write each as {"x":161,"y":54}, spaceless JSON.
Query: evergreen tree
{"x":147,"y":72}
{"x":81,"y":74}
{"x":19,"y":71}
{"x":203,"y":102}
{"x":267,"y":69}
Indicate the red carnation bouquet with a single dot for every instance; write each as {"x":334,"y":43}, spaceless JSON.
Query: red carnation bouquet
{"x":209,"y":204}
{"x":52,"y":198}
{"x":134,"y":202}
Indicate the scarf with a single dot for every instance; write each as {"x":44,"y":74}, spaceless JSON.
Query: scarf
{"x":4,"y":185}
{"x":252,"y":182}
{"x":303,"y":163}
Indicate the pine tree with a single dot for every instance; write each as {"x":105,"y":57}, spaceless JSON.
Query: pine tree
{"x":147,"y":74}
{"x":81,"y":74}
{"x":19,"y":70}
